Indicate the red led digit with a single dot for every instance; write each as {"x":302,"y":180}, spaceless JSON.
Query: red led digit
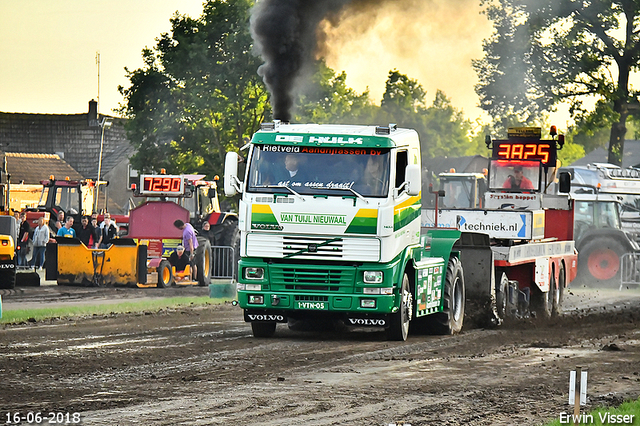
{"x":156,"y":184}
{"x":543,"y":152}
{"x":529,"y":151}
{"x":516,"y":151}
{"x":504,"y":151}
{"x":175,"y":185}
{"x":166,"y":184}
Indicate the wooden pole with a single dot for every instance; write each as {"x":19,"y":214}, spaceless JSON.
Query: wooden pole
{"x":576,"y":402}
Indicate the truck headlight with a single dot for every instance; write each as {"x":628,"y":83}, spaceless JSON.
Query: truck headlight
{"x":254,"y":273}
{"x":377,"y":290}
{"x":256,"y":299}
{"x":373,"y":277}
{"x":253,"y":287}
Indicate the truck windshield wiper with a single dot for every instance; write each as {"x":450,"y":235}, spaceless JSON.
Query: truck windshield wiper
{"x":304,"y":250}
{"x":352,"y":191}
{"x":285,"y":187}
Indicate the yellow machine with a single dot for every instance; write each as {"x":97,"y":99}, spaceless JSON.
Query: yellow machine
{"x":137,"y":260}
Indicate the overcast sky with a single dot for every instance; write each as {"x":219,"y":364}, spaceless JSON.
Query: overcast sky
{"x":48,"y":50}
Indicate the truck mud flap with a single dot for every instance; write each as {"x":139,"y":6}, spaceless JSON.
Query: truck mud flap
{"x":27,"y":278}
{"x":479,"y":278}
{"x":51,"y":262}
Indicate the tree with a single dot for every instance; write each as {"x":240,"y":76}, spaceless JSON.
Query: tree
{"x":547,"y":51}
{"x":443,"y":130}
{"x":198,"y":95}
{"x":328,"y":99}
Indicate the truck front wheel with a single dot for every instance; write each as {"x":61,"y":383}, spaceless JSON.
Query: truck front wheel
{"x":263,"y":329}
{"x":399,"y":321}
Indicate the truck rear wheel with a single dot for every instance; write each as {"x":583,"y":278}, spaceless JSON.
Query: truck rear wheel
{"x":450,"y":320}
{"x":165,"y":274}
{"x":399,"y":321}
{"x":263,"y":329}
{"x":599,"y":263}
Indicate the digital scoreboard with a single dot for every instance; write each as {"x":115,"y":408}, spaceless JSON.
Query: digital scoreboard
{"x":161,"y":185}
{"x":525,"y":146}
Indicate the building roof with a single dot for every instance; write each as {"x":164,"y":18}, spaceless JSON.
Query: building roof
{"x":630,"y":156}
{"x":34,"y":168}
{"x":77,"y":138}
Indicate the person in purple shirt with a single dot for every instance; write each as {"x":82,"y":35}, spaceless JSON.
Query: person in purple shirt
{"x":189,"y":240}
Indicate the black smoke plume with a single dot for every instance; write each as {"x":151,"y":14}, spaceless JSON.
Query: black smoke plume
{"x":285,"y":35}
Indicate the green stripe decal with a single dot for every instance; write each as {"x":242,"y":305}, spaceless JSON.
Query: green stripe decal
{"x":406,"y":212}
{"x":364,"y":222}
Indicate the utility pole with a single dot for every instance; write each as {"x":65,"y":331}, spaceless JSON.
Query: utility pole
{"x":98,"y":64}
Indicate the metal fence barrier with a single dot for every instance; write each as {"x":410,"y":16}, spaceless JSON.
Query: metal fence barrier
{"x":223,"y":262}
{"x":629,"y":270}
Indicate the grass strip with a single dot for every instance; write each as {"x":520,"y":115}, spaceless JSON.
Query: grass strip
{"x":39,"y":314}
{"x":604,"y":416}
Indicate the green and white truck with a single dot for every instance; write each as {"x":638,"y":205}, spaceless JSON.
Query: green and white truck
{"x":330,"y":229}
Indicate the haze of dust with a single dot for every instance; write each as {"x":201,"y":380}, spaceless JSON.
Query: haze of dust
{"x":432,"y":41}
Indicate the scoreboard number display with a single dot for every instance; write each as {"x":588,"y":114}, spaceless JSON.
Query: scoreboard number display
{"x":525,"y":146}
{"x":161,"y":185}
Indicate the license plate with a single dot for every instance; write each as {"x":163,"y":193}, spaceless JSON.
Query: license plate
{"x":314,"y":306}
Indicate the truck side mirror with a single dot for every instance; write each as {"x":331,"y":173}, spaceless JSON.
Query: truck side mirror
{"x":564,"y":182}
{"x":231,"y":181}
{"x":413,"y":174}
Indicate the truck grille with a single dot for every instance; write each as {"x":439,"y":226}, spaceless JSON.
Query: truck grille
{"x":302,"y":278}
{"x":344,"y":249}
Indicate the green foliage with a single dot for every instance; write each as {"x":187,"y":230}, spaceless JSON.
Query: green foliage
{"x":327,"y":99}
{"x":443,"y":130}
{"x":547,"y":51}
{"x":198,"y":94}
{"x":570,"y":153}
{"x":38,"y":314}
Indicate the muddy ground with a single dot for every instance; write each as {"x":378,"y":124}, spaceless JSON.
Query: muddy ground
{"x":201,"y":366}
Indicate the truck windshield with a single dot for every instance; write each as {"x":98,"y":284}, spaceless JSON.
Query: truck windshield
{"x":319,"y":170}
{"x":514,"y":176}
{"x":457,"y":193}
{"x":595,"y":214}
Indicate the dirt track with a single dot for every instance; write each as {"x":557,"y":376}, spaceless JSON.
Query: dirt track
{"x":202,"y":366}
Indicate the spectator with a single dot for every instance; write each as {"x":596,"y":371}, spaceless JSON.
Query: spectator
{"x":40,"y":239}
{"x":23,"y":238}
{"x":85,"y":232}
{"x":60,"y":222}
{"x":97,"y":232}
{"x":109,"y":232}
{"x":67,"y":230}
{"x":16,"y":214}
{"x":189,"y":239}
{"x":179,"y":259}
{"x":207,"y":233}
